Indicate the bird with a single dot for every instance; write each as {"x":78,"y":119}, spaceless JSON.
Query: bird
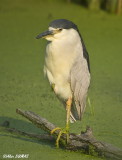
{"x":67,"y":69}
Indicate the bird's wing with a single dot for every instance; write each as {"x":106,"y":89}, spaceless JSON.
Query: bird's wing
{"x":80,"y":80}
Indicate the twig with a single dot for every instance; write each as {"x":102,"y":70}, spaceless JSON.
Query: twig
{"x":15,"y":131}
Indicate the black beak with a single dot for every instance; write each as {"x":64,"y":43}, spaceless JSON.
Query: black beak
{"x":44,"y":34}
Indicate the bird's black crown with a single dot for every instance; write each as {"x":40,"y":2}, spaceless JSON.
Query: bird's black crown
{"x":63,"y":24}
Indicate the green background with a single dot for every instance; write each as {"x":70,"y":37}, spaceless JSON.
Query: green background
{"x":22,"y":84}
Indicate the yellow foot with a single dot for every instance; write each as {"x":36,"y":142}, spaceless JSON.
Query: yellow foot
{"x":61,"y":131}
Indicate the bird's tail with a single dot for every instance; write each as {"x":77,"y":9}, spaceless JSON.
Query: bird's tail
{"x":77,"y":110}
{"x":72,"y":119}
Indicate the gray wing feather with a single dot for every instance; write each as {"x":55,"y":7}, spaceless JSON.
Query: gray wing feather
{"x":80,"y":80}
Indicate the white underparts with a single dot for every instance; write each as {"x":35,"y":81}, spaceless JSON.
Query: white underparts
{"x":61,"y":54}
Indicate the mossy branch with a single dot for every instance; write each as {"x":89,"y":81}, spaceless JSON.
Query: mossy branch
{"x":85,"y":142}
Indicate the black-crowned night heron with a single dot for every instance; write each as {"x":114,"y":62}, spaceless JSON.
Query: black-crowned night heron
{"x":67,"y":68}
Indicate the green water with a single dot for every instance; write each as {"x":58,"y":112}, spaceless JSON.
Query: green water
{"x":22,"y":84}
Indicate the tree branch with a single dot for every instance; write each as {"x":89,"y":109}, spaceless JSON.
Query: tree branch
{"x":45,"y":137}
{"x":85,"y":142}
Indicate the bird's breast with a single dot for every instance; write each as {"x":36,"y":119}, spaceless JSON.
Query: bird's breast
{"x":58,"y":63}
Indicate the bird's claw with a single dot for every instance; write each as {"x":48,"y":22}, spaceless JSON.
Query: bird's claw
{"x":55,"y":129}
{"x":61,"y":131}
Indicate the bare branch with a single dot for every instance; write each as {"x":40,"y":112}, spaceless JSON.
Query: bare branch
{"x":85,"y":142}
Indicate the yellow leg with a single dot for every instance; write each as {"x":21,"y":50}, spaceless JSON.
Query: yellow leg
{"x":68,"y":108}
{"x":66,"y":129}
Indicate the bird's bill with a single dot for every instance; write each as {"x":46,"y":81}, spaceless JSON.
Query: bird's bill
{"x":44,"y":34}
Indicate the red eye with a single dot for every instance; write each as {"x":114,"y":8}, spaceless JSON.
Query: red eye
{"x":60,"y":29}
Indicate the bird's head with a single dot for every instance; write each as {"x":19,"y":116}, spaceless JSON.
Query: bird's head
{"x":60,"y":29}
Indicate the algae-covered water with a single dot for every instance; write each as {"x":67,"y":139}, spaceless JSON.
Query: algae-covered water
{"x":22,"y":84}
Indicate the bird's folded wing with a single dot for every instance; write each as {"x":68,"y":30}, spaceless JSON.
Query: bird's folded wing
{"x":80,"y":80}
